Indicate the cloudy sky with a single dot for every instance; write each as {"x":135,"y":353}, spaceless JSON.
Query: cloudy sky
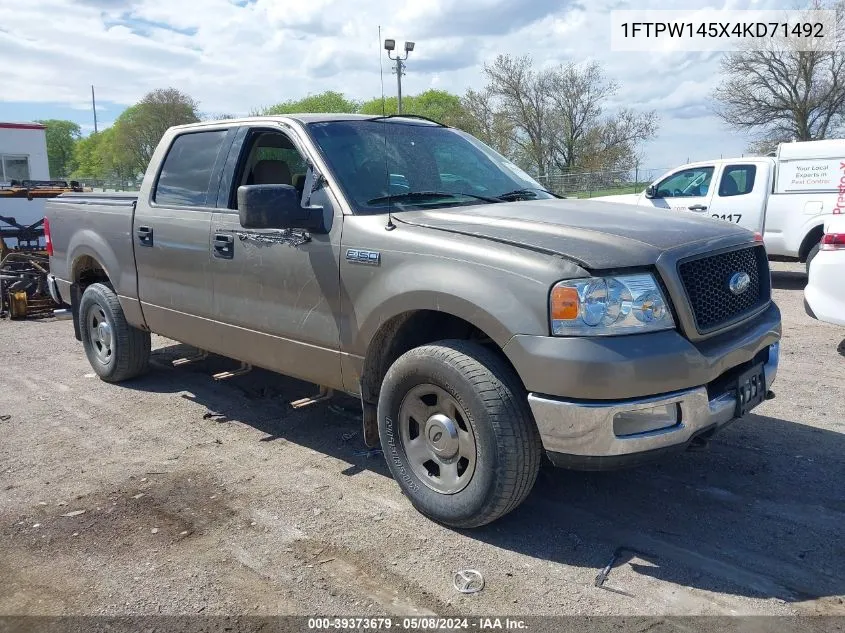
{"x":235,"y":55}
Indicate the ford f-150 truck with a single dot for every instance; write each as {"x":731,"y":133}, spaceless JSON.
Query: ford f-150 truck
{"x":482,"y":321}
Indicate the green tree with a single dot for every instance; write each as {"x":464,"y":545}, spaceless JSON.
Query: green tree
{"x":98,"y":157}
{"x":61,"y":137}
{"x":87,"y":158}
{"x":328,"y":101}
{"x":439,"y":105}
{"x":140,"y":127}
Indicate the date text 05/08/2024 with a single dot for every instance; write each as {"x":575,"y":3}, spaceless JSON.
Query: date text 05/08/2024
{"x":431,"y":623}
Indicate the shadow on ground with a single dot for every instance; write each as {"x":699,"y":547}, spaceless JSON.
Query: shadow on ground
{"x":788,"y":280}
{"x":758,"y":514}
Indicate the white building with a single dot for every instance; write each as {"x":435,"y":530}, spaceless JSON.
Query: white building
{"x":23,"y":156}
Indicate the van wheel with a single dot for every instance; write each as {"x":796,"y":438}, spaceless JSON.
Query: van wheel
{"x":116,"y":350}
{"x":813,"y":252}
{"x":458,"y":434}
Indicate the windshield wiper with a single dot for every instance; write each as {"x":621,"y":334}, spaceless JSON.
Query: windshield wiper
{"x":517,"y":194}
{"x":430,"y":195}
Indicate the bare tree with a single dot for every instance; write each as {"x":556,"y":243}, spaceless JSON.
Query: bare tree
{"x":481,"y":118}
{"x":555,"y":117}
{"x":782,"y":95}
{"x":524,"y":101}
{"x":613,"y":143}
{"x":587,"y":140}
{"x":578,"y":94}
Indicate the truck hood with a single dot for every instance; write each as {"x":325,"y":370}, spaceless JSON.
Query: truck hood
{"x":596,"y":235}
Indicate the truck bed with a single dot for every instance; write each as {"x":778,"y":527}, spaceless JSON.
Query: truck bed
{"x":85,"y":224}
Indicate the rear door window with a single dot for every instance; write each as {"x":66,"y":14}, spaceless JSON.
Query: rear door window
{"x":737,"y":180}
{"x":185,"y":177}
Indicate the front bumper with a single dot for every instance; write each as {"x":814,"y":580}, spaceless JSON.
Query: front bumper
{"x":580,"y":434}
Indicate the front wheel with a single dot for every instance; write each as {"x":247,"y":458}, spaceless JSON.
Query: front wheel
{"x":457,"y":433}
{"x":116,"y":350}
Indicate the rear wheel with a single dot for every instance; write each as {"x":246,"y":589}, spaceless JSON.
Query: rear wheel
{"x":457,"y":433}
{"x":116,"y":350}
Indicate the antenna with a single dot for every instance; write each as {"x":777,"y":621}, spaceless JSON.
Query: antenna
{"x":94,"y":108}
{"x":390,"y":226}
{"x":381,"y":71}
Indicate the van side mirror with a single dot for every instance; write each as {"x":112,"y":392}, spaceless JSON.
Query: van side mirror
{"x":277,"y":207}
{"x":651,"y":191}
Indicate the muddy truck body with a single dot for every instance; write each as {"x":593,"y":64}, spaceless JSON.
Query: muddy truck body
{"x":483,"y":322}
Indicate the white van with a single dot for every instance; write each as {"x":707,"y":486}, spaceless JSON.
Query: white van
{"x":786,"y":198}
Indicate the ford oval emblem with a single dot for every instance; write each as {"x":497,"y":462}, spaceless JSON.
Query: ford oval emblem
{"x":739,"y":283}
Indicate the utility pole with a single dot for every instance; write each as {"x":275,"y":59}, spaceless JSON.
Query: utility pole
{"x":94,"y":108}
{"x":399,"y":69}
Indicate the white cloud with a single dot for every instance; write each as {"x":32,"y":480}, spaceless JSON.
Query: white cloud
{"x":233,"y":58}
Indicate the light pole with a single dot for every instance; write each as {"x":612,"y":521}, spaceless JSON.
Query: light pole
{"x":389,"y":46}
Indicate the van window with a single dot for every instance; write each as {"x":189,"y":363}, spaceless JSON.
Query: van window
{"x":687,"y":183}
{"x":186,"y":174}
{"x":737,"y":180}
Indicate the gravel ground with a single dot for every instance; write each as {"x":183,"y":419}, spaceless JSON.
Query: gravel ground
{"x":175,"y":494}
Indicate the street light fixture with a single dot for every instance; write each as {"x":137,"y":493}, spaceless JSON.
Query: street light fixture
{"x":399,"y":69}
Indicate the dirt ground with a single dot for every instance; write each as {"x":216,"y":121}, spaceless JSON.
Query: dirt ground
{"x":175,"y":494}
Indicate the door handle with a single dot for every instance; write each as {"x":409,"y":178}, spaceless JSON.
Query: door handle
{"x":224,"y":246}
{"x":697,"y":207}
{"x":145,"y":235}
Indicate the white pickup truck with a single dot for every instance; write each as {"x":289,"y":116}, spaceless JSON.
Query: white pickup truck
{"x":787,"y":197}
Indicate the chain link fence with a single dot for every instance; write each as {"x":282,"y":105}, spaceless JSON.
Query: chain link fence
{"x":590,"y":184}
{"x":93,"y":184}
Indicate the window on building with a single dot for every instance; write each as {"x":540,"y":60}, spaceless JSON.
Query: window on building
{"x":14,"y":168}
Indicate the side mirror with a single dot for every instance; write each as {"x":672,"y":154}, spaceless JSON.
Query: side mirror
{"x":277,"y":207}
{"x":651,"y":191}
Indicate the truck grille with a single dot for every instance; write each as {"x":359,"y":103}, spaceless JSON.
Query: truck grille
{"x":707,"y":282}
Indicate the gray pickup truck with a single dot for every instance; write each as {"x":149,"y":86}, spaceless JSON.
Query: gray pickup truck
{"x":482,"y":321}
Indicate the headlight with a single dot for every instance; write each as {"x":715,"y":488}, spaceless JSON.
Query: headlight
{"x":602,"y":306}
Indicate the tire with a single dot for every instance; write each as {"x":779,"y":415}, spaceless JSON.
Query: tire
{"x":467,"y":385}
{"x":116,"y":350}
{"x":813,"y":252}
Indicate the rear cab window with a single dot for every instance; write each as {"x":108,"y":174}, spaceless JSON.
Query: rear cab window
{"x":737,"y":180}
{"x":185,"y":179}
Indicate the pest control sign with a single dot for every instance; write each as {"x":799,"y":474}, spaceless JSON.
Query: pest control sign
{"x":811,"y":175}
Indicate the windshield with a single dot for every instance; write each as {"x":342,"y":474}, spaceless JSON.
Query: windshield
{"x":413,"y":165}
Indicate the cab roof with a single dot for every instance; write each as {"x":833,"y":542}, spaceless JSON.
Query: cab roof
{"x":306,"y":118}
